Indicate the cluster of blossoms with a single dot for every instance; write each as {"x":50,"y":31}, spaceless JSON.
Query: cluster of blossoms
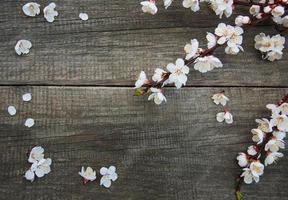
{"x":221,"y":99}
{"x":227,"y":36}
{"x":268,"y":138}
{"x":108,"y":175}
{"x":40,"y":166}
{"x":202,"y":59}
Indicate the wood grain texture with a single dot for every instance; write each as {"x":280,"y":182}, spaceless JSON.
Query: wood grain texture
{"x":172,"y":152}
{"x":116,"y":43}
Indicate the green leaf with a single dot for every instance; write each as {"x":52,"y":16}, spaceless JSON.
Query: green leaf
{"x":138,"y":92}
{"x":239,"y":195}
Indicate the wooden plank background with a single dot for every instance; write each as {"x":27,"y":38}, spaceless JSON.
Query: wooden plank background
{"x":81,"y":76}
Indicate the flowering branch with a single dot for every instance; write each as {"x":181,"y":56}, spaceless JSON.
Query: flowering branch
{"x":268,"y":137}
{"x":203,"y":60}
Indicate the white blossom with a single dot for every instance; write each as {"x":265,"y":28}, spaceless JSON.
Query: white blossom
{"x":279,"y":135}
{"x":231,"y":35}
{"x":249,"y":177}
{"x":89,"y":174}
{"x":278,"y":11}
{"x":252,"y":150}
{"x":149,"y":7}
{"x":211,"y":40}
{"x":38,"y":168}
{"x":242,"y":160}
{"x":264,"y":125}
{"x":254,"y":10}
{"x":108,"y":175}
{"x":27,"y":97}
{"x":280,"y":121}
{"x":191,"y":49}
{"x":83,"y":16}
{"x":50,"y":13}
{"x":220,"y":98}
{"x":11,"y":110}
{"x":241,"y":20}
{"x":23,"y":47}
{"x":207,"y":63}
{"x":225,"y":116}
{"x":178,"y":73}
{"x":274,"y":145}
{"x":167,"y":3}
{"x":142,"y":79}
{"x":36,"y":154}
{"x":258,"y":135}
{"x":257,"y":168}
{"x":158,"y":75}
{"x":29,"y":122}
{"x":192,"y":4}
{"x":283,"y":108}
{"x":272,"y":157}
{"x":270,"y":47}
{"x":221,"y":7}
{"x":31,"y":9}
{"x":157,"y":96}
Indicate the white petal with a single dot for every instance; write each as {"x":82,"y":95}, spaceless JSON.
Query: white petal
{"x":27,"y":97}
{"x":12,"y":110}
{"x":103,"y":171}
{"x":29,"y":175}
{"x":220,"y":117}
{"x":83,"y":16}
{"x":39,"y":172}
{"x":29,"y":122}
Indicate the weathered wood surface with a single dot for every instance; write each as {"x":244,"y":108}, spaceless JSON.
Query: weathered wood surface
{"x":116,"y":43}
{"x":174,"y":152}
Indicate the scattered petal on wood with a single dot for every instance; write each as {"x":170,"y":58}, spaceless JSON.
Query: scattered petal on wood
{"x":50,"y":13}
{"x":31,"y":9}
{"x":23,"y":47}
{"x":29,"y":122}
{"x":27,"y":97}
{"x":83,"y":16}
{"x":12,"y":110}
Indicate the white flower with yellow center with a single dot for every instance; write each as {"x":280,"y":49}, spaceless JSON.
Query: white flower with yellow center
{"x":272,"y":157}
{"x":38,"y":168}
{"x":258,"y":135}
{"x":88,"y":175}
{"x":280,"y":121}
{"x":207,"y":63}
{"x":274,"y":145}
{"x":264,"y":125}
{"x":178,"y":72}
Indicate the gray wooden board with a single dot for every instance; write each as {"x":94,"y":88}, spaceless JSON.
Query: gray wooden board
{"x":117,"y":42}
{"x":176,"y":151}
